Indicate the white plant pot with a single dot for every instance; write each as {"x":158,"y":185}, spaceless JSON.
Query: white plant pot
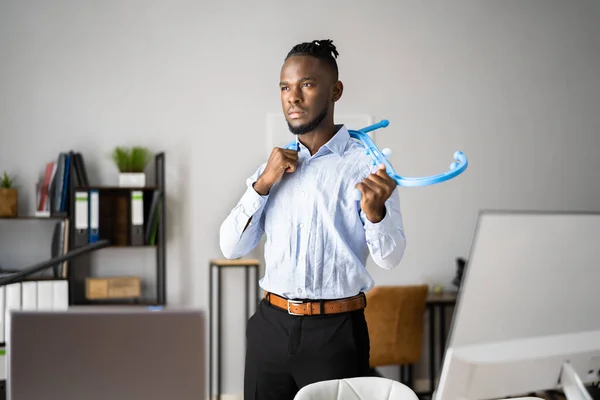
{"x":132,"y":179}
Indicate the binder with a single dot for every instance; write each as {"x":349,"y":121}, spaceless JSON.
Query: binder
{"x":78,"y":170}
{"x":65,"y":185}
{"x":137,"y":218}
{"x":81,"y":217}
{"x":58,"y":184}
{"x":29,"y":299}
{"x":94,"y":226}
{"x":60,"y":295}
{"x":45,"y":295}
{"x":12,"y":301}
{"x":153,"y":215}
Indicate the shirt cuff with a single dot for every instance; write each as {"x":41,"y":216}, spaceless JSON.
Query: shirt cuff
{"x":251,"y":201}
{"x":383,"y":227}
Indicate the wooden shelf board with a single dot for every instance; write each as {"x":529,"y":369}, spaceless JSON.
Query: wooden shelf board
{"x":33,"y":217}
{"x":234,"y":263}
{"x":116,"y":188}
{"x":116,"y":303}
{"x":137,"y":246}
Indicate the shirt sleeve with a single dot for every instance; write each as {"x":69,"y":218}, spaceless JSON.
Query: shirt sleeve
{"x":237,"y":236}
{"x":386,"y":239}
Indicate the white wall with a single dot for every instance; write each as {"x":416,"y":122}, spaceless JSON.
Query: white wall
{"x":513,"y":84}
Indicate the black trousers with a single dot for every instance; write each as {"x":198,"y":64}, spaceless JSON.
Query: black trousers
{"x":286,"y":352}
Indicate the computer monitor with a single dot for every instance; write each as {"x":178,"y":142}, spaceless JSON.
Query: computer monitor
{"x":528,"y":312}
{"x":117,"y":354}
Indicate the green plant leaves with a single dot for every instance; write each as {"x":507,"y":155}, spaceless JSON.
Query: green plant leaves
{"x":132,"y":159}
{"x":7,"y":182}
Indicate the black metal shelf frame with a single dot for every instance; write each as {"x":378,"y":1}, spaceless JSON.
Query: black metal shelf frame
{"x":78,"y":273}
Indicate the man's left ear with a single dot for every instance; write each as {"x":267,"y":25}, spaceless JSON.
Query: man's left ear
{"x":338,"y":88}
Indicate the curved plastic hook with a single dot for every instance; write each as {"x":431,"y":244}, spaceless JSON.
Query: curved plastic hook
{"x":457,"y":167}
{"x":380,"y":157}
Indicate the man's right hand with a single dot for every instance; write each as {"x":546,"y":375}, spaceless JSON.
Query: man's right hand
{"x":280,"y":161}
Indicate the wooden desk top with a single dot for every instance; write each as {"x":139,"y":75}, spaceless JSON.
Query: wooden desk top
{"x":442,"y":298}
{"x":235,"y":263}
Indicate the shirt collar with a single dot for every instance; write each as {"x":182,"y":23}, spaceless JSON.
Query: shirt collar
{"x":337,"y":144}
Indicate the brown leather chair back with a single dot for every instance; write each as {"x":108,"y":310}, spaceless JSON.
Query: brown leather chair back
{"x":395,"y":319}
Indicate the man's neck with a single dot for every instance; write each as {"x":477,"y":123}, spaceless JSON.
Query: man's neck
{"x":315,"y":139}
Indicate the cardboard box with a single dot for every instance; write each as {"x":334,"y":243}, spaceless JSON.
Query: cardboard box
{"x":122,"y":287}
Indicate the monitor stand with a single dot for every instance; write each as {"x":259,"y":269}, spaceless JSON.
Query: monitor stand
{"x":572,"y":385}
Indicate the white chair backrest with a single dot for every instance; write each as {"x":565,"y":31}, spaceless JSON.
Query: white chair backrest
{"x":363,"y":388}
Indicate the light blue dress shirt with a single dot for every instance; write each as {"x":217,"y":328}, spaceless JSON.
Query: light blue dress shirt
{"x":317,"y":237}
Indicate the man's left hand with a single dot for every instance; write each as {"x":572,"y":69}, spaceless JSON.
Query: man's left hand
{"x":376,"y":189}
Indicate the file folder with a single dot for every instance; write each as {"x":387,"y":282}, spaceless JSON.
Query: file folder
{"x":81,"y":217}
{"x":137,"y":218}
{"x":94,"y":226}
{"x":29,"y":300}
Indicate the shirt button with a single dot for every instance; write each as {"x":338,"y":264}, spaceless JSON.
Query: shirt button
{"x":299,"y":291}
{"x":307,"y":162}
{"x":300,"y":225}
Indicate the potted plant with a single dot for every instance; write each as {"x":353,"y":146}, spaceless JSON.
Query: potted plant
{"x":131,"y":163}
{"x":9,"y":197}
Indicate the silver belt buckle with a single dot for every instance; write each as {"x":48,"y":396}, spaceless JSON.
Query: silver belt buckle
{"x":289,"y":302}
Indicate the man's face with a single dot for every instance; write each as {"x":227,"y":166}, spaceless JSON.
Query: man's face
{"x":306,"y":93}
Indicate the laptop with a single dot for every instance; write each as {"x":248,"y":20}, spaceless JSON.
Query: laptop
{"x":117,"y":354}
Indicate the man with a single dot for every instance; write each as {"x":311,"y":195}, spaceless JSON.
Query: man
{"x":311,"y":326}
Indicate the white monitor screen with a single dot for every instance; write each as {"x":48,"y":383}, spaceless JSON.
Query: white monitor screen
{"x":531,"y":292}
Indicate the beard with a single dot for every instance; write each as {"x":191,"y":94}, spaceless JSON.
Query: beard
{"x":309,"y":126}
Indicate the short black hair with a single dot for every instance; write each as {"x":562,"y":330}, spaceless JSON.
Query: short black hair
{"x":322,"y":49}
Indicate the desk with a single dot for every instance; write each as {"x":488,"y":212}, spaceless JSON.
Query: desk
{"x":249,"y":301}
{"x":437,"y":304}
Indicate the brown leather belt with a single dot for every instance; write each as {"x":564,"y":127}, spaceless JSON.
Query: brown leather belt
{"x":314,"y":307}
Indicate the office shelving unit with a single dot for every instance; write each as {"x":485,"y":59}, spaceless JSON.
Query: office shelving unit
{"x":114,"y":226}
{"x":113,"y":199}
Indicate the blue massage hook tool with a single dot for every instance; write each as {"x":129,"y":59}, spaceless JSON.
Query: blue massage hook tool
{"x":380,"y":157}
